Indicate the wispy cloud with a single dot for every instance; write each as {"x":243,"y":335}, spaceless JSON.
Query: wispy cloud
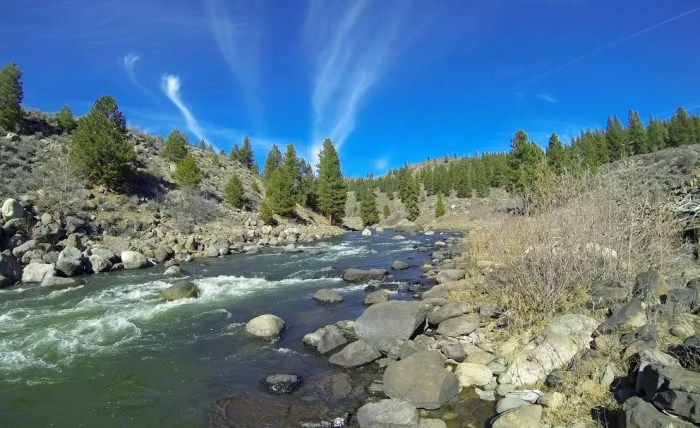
{"x":238,"y":44}
{"x":129,"y":62}
{"x":380,"y":164}
{"x":171,"y":87}
{"x":548,"y":98}
{"x":608,"y":46}
{"x":351,"y":58}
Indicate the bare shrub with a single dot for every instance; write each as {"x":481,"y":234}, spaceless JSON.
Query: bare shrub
{"x":587,"y":230}
{"x":60,"y":191}
{"x":189,"y":208}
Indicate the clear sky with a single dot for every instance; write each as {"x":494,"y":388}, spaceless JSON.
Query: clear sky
{"x":389,"y":81}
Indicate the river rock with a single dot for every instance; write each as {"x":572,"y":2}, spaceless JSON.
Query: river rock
{"x":641,"y":414}
{"x":133,"y":260}
{"x":431,"y":423}
{"x":459,"y":326}
{"x":554,"y":348}
{"x":509,"y":403}
{"x":10,"y":269}
{"x":326,"y":338}
{"x":523,"y":416}
{"x":174,"y":271}
{"x":282,"y":383}
{"x":389,"y":413}
{"x":387,"y":324}
{"x":105,"y":253}
{"x":70,"y":261}
{"x":20,"y":250}
{"x":680,"y":330}
{"x":447,"y":311}
{"x":426,"y":369}
{"x":454,"y":351}
{"x":328,"y":296}
{"x":399,"y":265}
{"x":360,"y":275}
{"x":61,"y":283}
{"x":265,"y":326}
{"x":99,"y":264}
{"x":279,"y":410}
{"x":407,"y":226}
{"x":449,"y":275}
{"x":11,"y":209}
{"x":180,"y":290}
{"x":366,"y":232}
{"x":356,"y":354}
{"x":38,"y":272}
{"x":472,"y":374}
{"x":376,"y":297}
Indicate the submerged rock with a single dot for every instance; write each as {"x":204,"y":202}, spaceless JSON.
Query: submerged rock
{"x":268,"y":411}
{"x":180,"y":290}
{"x":265,"y":326}
{"x":328,"y":296}
{"x":282,"y":383}
{"x":61,"y":283}
{"x":399,"y":265}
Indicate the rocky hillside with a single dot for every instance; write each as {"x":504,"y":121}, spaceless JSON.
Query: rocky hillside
{"x":47,"y":208}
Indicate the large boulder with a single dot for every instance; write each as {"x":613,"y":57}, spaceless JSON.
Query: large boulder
{"x":105,"y":253}
{"x":388,"y":414}
{"x":671,"y":389}
{"x":10,"y":269}
{"x":133,"y":260}
{"x":356,"y":354}
{"x":20,"y":250}
{"x":445,"y":312}
{"x":326,"y":338}
{"x":180,"y":290}
{"x":362,"y":275}
{"x":387,"y":324}
{"x":449,"y":275}
{"x":555,"y":347}
{"x":641,"y":414}
{"x":328,"y":296}
{"x":12,"y":209}
{"x":70,"y":261}
{"x":421,"y":379}
{"x":38,"y":272}
{"x":265,"y":326}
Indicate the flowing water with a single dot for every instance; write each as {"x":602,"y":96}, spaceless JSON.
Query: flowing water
{"x":112,"y":353}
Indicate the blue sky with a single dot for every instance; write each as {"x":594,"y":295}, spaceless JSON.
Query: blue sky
{"x":390,"y":81}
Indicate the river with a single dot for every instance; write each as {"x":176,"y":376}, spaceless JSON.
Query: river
{"x":111,"y":353}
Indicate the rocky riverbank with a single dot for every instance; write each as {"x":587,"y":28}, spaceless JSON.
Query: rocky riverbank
{"x":416,"y":363}
{"x":55,"y":251}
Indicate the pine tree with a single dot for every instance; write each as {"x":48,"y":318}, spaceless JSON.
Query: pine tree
{"x":440,"y":206}
{"x":331,"y":188}
{"x":616,"y":139}
{"x":202,"y":145}
{"x":657,"y":133}
{"x":66,"y":121}
{"x":215,"y":160}
{"x":99,"y":150}
{"x":272,"y":161}
{"x":187,"y":173}
{"x":680,"y":129}
{"x":464,"y":184}
{"x":293,"y":166}
{"x":279,"y":192}
{"x":368,"y":209}
{"x":175,"y":146}
{"x":555,"y":154}
{"x":386,"y":211}
{"x":11,"y":95}
{"x":246,"y":153}
{"x":526,"y":158}
{"x":235,"y":153}
{"x":234,"y":193}
{"x":636,"y":134}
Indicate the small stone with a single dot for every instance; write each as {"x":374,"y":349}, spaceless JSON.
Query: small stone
{"x":399,"y":265}
{"x":682,"y":330}
{"x":282,"y":383}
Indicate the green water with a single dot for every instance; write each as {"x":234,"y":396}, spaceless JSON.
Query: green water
{"x":113,"y":354}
